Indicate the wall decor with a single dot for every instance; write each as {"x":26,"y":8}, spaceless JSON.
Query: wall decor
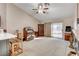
{"x":77,"y":20}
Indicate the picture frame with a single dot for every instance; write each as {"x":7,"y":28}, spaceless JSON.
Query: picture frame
{"x":77,"y":20}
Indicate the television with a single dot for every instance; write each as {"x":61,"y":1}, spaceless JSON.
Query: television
{"x":68,"y":29}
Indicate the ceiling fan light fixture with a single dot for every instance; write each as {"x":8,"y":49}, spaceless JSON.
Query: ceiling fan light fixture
{"x":40,"y":11}
{"x":42,"y":8}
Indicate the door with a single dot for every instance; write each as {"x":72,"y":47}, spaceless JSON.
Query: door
{"x":40,"y":29}
{"x":56,"y":30}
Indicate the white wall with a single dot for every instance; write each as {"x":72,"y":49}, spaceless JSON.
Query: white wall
{"x":14,"y":18}
{"x":78,"y":10}
{"x":17,"y":19}
{"x":77,"y":25}
{"x":47,"y":29}
{"x":3,"y":15}
{"x":66,"y":22}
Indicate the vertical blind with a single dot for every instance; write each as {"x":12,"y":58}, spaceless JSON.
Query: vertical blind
{"x":56,"y":30}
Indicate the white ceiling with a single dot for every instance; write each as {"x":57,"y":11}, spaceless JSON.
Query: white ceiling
{"x":56,"y":10}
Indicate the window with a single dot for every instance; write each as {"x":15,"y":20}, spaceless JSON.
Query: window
{"x":56,"y":30}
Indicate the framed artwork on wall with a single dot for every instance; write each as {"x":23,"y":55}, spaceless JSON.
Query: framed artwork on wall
{"x":77,"y":20}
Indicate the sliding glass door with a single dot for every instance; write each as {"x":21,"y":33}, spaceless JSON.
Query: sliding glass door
{"x":56,"y":30}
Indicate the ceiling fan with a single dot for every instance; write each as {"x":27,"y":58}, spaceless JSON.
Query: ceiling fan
{"x":41,"y":8}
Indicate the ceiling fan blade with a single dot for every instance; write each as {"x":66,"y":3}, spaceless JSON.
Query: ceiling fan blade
{"x":36,"y":12}
{"x":44,"y":12}
{"x":34,"y":9}
{"x":46,"y":8}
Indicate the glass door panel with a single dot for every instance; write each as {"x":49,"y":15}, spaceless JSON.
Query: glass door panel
{"x":56,"y":30}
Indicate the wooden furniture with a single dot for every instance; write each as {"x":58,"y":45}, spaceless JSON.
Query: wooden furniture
{"x":24,"y":34}
{"x":36,"y":34}
{"x":68,"y":36}
{"x":15,"y":47}
{"x":40,"y":29}
{"x":19,"y":35}
{"x":28,"y":34}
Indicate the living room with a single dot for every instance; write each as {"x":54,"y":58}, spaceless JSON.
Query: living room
{"x":16,"y":18}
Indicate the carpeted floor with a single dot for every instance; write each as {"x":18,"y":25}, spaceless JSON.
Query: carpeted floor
{"x":45,"y":46}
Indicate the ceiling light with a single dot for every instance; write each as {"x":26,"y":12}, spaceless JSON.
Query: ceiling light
{"x":42,"y":8}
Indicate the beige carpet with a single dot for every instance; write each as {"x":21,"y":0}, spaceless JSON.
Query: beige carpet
{"x":45,"y":46}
